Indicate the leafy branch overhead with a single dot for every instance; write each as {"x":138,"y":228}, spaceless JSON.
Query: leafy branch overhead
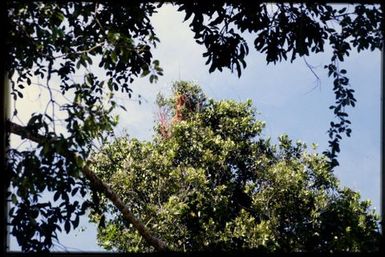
{"x":59,"y":43}
{"x":288,"y":31}
{"x":24,"y":217}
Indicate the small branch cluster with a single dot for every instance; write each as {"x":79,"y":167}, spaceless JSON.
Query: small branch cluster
{"x":164,"y":124}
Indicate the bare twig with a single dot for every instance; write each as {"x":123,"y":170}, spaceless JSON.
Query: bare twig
{"x":54,"y":90}
{"x":51,"y":98}
{"x":96,"y":18}
{"x":311,"y":68}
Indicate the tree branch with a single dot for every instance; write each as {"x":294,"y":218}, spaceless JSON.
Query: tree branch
{"x":80,"y":52}
{"x":98,"y":184}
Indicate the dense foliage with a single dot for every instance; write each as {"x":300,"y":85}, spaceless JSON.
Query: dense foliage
{"x":59,"y":42}
{"x":215,"y":183}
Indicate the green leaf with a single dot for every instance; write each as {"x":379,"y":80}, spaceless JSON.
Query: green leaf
{"x":153,"y":78}
{"x":75,"y":222}
{"x":14,"y":199}
{"x":67,"y":226}
{"x":145,"y":72}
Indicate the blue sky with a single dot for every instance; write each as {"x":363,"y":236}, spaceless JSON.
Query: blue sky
{"x":286,"y":95}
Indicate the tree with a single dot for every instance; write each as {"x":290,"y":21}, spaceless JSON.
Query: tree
{"x":213,"y":183}
{"x":55,"y":41}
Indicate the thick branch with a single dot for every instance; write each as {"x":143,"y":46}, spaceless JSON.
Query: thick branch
{"x":99,"y":185}
{"x":23,"y":132}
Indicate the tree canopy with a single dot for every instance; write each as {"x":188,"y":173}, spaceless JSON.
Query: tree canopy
{"x":58,"y":41}
{"x":214,"y":183}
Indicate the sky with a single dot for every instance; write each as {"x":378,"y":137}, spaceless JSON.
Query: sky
{"x":287,"y":97}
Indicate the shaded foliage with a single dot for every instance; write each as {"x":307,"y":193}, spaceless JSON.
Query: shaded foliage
{"x":57,"y":41}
